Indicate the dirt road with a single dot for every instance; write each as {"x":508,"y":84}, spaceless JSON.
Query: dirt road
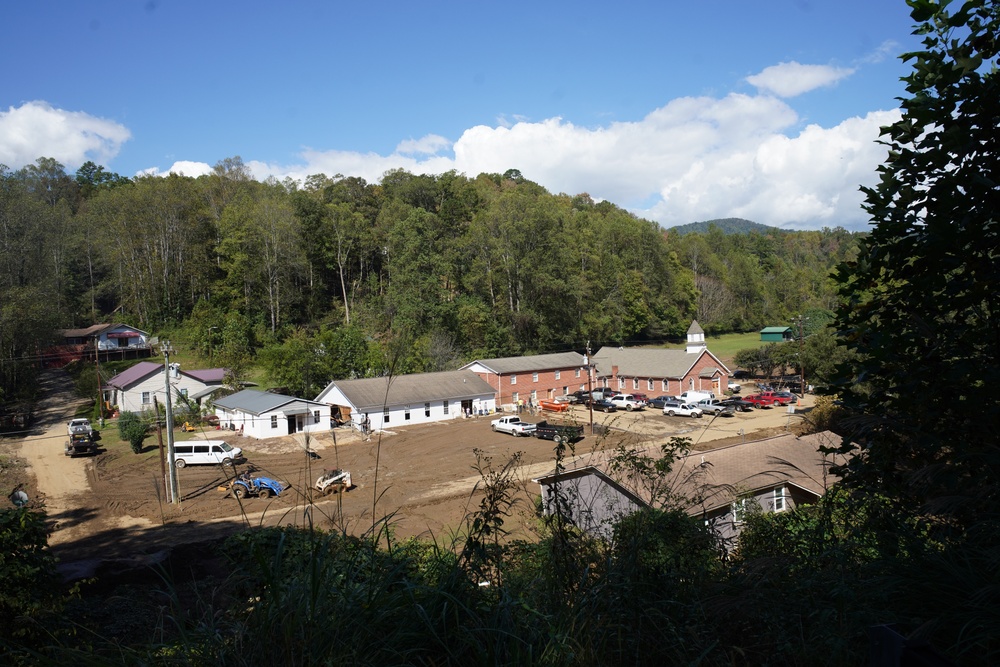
{"x":421,"y":479}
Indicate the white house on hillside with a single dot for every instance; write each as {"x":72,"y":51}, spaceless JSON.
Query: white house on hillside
{"x":134,"y":389}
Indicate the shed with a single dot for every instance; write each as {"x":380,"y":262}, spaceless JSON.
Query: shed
{"x":776,"y":334}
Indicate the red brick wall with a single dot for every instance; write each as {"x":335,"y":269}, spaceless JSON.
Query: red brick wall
{"x":546,"y":385}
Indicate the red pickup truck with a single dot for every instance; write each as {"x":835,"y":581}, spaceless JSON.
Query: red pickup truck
{"x":779,"y":398}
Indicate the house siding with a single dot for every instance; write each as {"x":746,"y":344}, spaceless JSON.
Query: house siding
{"x":130,"y":398}
{"x":589,"y":502}
{"x":418,"y":411}
{"x":260,"y":426}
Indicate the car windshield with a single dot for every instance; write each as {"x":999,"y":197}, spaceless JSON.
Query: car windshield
{"x":226,"y":447}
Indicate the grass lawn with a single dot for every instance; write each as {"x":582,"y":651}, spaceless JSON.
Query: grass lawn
{"x":726,"y":346}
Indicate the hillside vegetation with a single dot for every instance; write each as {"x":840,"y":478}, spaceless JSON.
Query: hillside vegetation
{"x":416,"y":272}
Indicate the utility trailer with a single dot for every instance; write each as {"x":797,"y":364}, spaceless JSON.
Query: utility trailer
{"x":558,"y":432}
{"x":80,"y":444}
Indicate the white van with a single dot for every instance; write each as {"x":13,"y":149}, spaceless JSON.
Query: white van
{"x":196,"y":452}
{"x":696,"y":396}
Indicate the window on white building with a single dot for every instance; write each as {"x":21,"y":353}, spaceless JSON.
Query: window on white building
{"x":315,"y":416}
{"x":385,"y":417}
{"x":444,"y":404}
{"x":406,"y":413}
{"x":427,"y":409}
{"x":145,"y":398}
{"x":274,"y":421}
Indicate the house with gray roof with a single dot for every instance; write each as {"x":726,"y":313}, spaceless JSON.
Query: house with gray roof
{"x":720,"y":485}
{"x":531,"y":378}
{"x":655,"y":371}
{"x":401,"y":400}
{"x":261,"y":414}
{"x":134,"y":389}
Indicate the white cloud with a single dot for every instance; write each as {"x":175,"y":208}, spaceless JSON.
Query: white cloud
{"x":696,"y":158}
{"x":429,"y":145}
{"x":791,"y":79}
{"x":36,"y":129}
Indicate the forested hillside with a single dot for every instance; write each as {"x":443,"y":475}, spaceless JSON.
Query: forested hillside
{"x":444,"y":268}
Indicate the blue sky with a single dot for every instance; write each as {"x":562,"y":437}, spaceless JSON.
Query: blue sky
{"x":678,"y":111}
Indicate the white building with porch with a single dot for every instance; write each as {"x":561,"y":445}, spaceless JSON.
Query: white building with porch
{"x":261,"y":414}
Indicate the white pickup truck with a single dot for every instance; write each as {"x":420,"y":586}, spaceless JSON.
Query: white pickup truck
{"x":512,"y":425}
{"x":80,"y":427}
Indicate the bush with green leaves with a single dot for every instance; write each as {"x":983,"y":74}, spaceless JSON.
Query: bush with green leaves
{"x":132,"y":429}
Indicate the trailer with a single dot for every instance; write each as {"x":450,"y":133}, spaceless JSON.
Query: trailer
{"x":558,"y":433}
{"x":80,"y":444}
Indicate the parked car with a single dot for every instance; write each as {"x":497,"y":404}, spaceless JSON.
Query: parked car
{"x":734,"y":387}
{"x":627,"y":402}
{"x":581,"y":396}
{"x":738,"y":404}
{"x":779,"y":397}
{"x":641,"y":397}
{"x":760,"y":400}
{"x":741,"y":374}
{"x":679,"y":409}
{"x":603,"y":405}
{"x":660,"y":400}
{"x":569,"y":399}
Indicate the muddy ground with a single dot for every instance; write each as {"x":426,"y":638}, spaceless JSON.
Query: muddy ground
{"x":421,"y":480}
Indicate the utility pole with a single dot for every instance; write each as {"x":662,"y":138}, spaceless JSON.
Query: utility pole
{"x":590,"y":388}
{"x":175,"y":496}
{"x":802,"y":367}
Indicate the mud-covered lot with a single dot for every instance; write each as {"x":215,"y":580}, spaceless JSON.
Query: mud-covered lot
{"x":418,"y":480}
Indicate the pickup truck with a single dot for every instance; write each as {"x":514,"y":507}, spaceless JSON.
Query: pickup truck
{"x":627,"y":402}
{"x":512,"y":425}
{"x":715,"y":406}
{"x":558,"y":432}
{"x":80,"y":426}
{"x":779,"y":397}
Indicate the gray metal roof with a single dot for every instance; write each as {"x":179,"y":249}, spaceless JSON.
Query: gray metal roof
{"x":645,"y":362}
{"x":258,"y":402}
{"x":695,"y":328}
{"x":530,"y":364}
{"x":373,"y":393}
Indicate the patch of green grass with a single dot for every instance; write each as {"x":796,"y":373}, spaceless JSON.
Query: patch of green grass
{"x":726,"y":346}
